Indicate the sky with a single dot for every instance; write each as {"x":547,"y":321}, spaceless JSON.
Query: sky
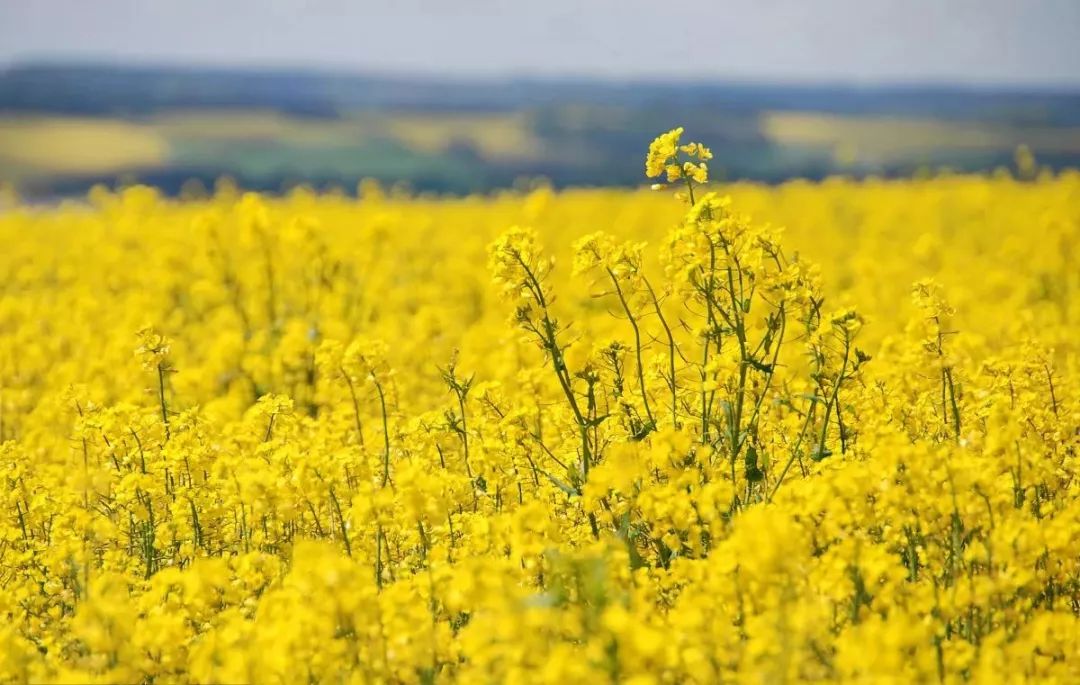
{"x":985,"y":42}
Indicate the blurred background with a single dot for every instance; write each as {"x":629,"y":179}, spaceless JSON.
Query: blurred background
{"x":472,"y":95}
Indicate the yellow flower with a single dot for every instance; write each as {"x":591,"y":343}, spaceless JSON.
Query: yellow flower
{"x":661,"y":151}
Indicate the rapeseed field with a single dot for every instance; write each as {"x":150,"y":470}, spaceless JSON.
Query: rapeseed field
{"x":814,"y":432}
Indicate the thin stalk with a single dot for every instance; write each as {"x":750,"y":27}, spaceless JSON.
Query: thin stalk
{"x":637,"y":344}
{"x":386,"y":434}
{"x":671,"y":353}
{"x":161,"y":399}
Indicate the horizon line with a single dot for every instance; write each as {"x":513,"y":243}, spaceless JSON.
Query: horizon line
{"x":686,"y":79}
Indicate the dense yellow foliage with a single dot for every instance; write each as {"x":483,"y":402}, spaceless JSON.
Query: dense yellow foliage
{"x":634,"y":438}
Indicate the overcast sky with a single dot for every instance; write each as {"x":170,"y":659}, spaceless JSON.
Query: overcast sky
{"x":966,"y":41}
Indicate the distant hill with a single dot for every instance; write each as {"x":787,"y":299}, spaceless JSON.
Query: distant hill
{"x":130,"y":90}
{"x":274,"y":128}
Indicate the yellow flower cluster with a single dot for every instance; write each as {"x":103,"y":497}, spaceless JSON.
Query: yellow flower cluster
{"x":667,"y":156}
{"x":295,"y":439}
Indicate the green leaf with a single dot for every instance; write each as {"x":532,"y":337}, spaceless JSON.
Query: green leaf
{"x":568,"y":489}
{"x":820,"y":453}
